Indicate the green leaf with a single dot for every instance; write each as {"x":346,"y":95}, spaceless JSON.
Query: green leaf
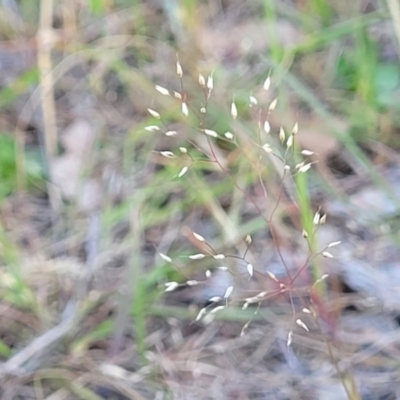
{"x":97,"y":6}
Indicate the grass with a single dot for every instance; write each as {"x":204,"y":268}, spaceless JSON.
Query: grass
{"x":232,"y":187}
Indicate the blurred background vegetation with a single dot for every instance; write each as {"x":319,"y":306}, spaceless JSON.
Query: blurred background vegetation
{"x":87,"y":202}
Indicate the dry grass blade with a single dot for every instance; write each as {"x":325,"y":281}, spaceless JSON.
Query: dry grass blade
{"x":394,"y":7}
{"x":45,"y":41}
{"x":24,"y":361}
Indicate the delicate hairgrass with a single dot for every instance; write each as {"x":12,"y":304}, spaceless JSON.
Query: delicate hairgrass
{"x":181,"y":168}
{"x":293,"y":165}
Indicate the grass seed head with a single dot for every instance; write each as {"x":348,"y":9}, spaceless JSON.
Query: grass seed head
{"x":211,"y":133}
{"x":272,"y":106}
{"x":289,"y":142}
{"x":165,"y":257}
{"x":171,"y":286}
{"x":300,"y":323}
{"x":228,"y":135}
{"x":282,"y":135}
{"x":244,"y":329}
{"x":257,"y":298}
{"x":267,"y":148}
{"x":152,"y":128}
{"x":272,"y":276}
{"x":198,"y":237}
{"x":228,"y":292}
{"x":289,"y":339}
{"x":323,"y":277}
{"x":253,"y":101}
{"x":234,"y":111}
{"x":183,"y":171}
{"x":202,"y":81}
{"x":295,"y":129}
{"x":267,"y":84}
{"x":216,"y":309}
{"x":198,"y":256}
{"x":168,"y":154}
{"x":179,"y":70}
{"x":154,"y":113}
{"x":210,"y":83}
{"x":307,"y":152}
{"x":317,"y":218}
{"x":305,"y":168}
{"x":162,"y":90}
{"x":201,"y":314}
{"x":185,"y":109}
